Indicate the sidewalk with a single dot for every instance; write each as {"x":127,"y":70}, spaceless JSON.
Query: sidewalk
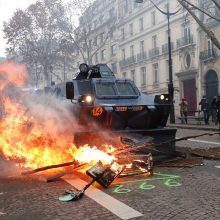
{"x":195,"y":126}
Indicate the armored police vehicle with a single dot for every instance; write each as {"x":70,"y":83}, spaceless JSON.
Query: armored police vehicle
{"x":104,"y":103}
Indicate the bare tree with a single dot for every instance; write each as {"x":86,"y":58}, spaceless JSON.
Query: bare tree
{"x":34,"y":35}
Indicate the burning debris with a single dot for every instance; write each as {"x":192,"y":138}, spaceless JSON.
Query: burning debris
{"x":34,"y":133}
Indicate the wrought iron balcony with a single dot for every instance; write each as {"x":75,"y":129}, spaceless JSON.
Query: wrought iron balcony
{"x":130,"y":60}
{"x":165,"y":47}
{"x":154,"y":52}
{"x":127,"y":62}
{"x":184,"y":41}
{"x":141,"y":56}
{"x":208,"y":54}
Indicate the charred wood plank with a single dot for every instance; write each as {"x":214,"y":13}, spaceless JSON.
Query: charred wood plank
{"x":63,"y":173}
{"x":49,"y":167}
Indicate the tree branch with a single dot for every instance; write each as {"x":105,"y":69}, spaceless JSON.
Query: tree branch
{"x":204,"y":28}
{"x":199,"y":9}
{"x":216,"y":3}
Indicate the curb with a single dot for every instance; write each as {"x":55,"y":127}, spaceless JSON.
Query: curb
{"x":193,"y":127}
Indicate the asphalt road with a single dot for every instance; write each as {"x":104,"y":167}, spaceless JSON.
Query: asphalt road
{"x":171,"y":193}
{"x":206,"y":141}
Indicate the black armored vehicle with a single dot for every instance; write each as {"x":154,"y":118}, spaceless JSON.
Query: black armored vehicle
{"x":108,"y":107}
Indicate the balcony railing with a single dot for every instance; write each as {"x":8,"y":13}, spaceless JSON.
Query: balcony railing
{"x":127,"y":62}
{"x":165,"y":47}
{"x":208,"y":54}
{"x":141,"y":56}
{"x":154,"y":52}
{"x":184,"y":41}
{"x":130,"y":60}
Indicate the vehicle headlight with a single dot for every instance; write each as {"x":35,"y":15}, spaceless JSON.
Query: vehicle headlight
{"x":88,"y":98}
{"x":163,"y":98}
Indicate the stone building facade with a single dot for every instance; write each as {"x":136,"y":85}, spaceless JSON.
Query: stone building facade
{"x":137,"y":47}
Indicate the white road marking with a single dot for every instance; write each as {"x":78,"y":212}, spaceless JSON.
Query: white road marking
{"x":2,"y":213}
{"x":206,"y":142}
{"x":116,"y":207}
{"x":217,"y":167}
{"x":202,"y":141}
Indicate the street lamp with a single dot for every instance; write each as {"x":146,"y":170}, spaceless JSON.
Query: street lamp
{"x":170,"y":84}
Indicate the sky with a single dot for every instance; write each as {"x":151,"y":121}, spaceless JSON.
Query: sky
{"x":7,"y":9}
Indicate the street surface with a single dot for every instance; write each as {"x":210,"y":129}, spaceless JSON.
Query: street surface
{"x":171,"y":193}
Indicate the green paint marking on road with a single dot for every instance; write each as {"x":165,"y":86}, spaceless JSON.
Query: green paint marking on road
{"x":171,"y":183}
{"x":167,"y":179}
{"x":146,"y":186}
{"x":119,"y":189}
{"x":163,"y":177}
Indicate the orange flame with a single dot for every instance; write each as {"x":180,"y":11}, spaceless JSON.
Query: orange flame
{"x":12,"y":72}
{"x":30,"y":142}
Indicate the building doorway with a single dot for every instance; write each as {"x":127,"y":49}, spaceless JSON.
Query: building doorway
{"x":211,"y":85}
{"x":189,"y":91}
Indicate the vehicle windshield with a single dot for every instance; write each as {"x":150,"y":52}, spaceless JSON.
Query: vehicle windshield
{"x":114,"y":89}
{"x":125,"y":88}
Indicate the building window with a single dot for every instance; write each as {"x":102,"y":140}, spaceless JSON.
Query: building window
{"x":143,"y":75}
{"x":96,"y":58}
{"x":124,"y":75}
{"x":125,"y":6}
{"x":153,"y":18}
{"x":132,"y":51}
{"x":112,"y":32}
{"x":155,"y":73}
{"x":133,"y":75}
{"x":101,"y":37}
{"x":111,"y":13}
{"x":186,"y":34}
{"x":90,"y":44}
{"x":113,"y":50}
{"x":123,"y":54}
{"x":135,"y":4}
{"x":114,"y":68}
{"x":154,"y":41}
{"x":103,"y":55}
{"x":95,"y":24}
{"x":123,"y":33}
{"x":141,"y":24}
{"x":101,"y":19}
{"x":131,"y":29}
{"x":142,"y":46}
{"x":95,"y":41}
{"x":210,"y":47}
